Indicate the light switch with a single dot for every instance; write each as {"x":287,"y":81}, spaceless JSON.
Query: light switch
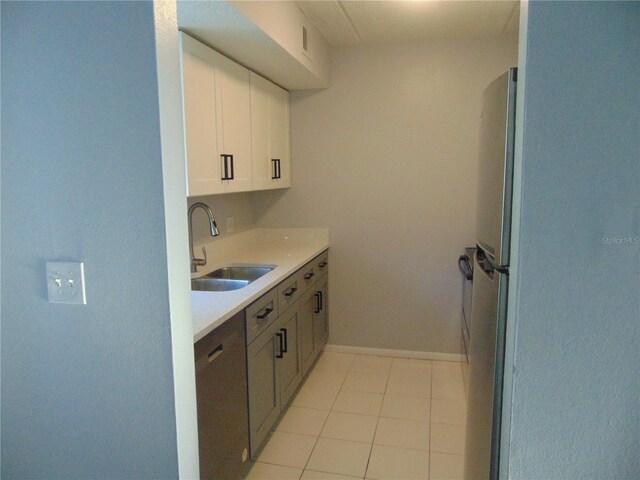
{"x":65,"y":282}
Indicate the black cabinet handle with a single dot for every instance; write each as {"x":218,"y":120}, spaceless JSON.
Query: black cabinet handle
{"x":286,"y":343}
{"x":276,"y":169}
{"x":322,"y":264}
{"x":267,"y":312}
{"x":318,"y":299}
{"x":290,"y":292}
{"x":321,"y":300}
{"x":281,"y":345}
{"x":309,"y":275}
{"x":227,"y":165}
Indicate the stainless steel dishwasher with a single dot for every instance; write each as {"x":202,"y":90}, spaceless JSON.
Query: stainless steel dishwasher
{"x":221,"y":387}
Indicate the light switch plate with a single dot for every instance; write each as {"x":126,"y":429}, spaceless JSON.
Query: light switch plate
{"x":65,"y":282}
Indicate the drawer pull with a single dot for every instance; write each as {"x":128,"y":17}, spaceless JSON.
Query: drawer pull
{"x":265,"y":314}
{"x":290,"y":292}
{"x":322,"y":264}
{"x":309,"y":275}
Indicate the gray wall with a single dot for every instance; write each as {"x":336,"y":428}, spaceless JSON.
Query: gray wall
{"x":386,"y":158}
{"x":87,"y":391}
{"x":235,"y":205}
{"x":575,"y":394}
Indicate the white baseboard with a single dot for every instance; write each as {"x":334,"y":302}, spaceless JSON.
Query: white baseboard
{"x":385,"y":352}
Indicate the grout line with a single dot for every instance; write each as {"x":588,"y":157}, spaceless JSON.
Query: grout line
{"x":330,"y":410}
{"x":371,"y":444}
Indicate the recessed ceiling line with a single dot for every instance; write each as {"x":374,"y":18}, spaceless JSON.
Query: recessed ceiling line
{"x":344,"y":11}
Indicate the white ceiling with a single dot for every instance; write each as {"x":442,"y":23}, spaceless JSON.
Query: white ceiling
{"x":355,"y":22}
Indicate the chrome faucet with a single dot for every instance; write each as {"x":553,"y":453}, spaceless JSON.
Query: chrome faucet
{"x":213,"y":227}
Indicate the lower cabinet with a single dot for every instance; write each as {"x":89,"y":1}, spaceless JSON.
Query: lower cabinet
{"x":264,"y":392}
{"x":314,"y":328}
{"x":290,"y":365}
{"x":285,"y":334}
{"x":308,"y":347}
{"x":320,"y":319}
{"x":274,"y":373}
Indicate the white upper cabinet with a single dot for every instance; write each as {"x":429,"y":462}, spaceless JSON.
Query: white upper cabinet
{"x":199,"y":103}
{"x":233,"y":118}
{"x":270,"y":137}
{"x":217,"y":121}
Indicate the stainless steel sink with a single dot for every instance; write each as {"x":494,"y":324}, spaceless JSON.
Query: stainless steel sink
{"x":230,"y":278}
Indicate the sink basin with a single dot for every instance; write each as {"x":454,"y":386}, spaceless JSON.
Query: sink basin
{"x":216,"y":284}
{"x":230,"y":278}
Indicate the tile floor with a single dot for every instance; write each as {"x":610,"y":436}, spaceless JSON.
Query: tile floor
{"x":367,"y":417}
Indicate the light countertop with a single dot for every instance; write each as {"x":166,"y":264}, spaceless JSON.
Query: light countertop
{"x":288,"y":248}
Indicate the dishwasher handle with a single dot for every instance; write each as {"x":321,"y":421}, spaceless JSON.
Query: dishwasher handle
{"x":215,"y":353}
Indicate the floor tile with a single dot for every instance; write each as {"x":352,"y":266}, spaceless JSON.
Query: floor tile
{"x":447,"y":438}
{"x":350,"y":426}
{"x":316,"y":396}
{"x":447,"y":381}
{"x":399,"y":432}
{"x":409,"y":385}
{"x":340,"y":456}
{"x":411,"y":367}
{"x":334,"y":361}
{"x":371,"y":365}
{"x":265,"y":471}
{"x":392,"y":463}
{"x":333,"y":378}
{"x":453,"y":412}
{"x":412,"y":408}
{"x":448,"y":388}
{"x":288,"y":449}
{"x":446,"y":467}
{"x":312,"y":475}
{"x":305,"y":421}
{"x":446,"y":369}
{"x":365,"y":382}
{"x":358,"y":402}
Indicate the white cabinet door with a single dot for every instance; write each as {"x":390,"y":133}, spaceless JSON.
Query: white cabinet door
{"x":270,"y":135}
{"x":233,"y":115}
{"x":217,"y":121}
{"x":280,"y":133}
{"x":198,"y":96}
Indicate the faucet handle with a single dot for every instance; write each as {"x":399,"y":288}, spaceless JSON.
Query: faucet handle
{"x":204,"y":253}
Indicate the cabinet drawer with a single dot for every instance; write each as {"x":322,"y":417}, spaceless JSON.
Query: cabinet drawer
{"x":288,"y":292}
{"x":261,"y":313}
{"x":321,"y":264}
{"x":307,"y":276}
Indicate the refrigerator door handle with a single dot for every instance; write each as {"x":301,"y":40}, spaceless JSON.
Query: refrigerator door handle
{"x":466,"y":270}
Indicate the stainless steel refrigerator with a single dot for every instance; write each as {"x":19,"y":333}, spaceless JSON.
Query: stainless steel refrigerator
{"x":490,"y":278}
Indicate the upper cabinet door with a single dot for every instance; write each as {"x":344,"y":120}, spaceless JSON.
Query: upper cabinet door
{"x":233,"y":115}
{"x":280,"y":133}
{"x":270,"y":137}
{"x":199,"y":100}
{"x":217,"y":121}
